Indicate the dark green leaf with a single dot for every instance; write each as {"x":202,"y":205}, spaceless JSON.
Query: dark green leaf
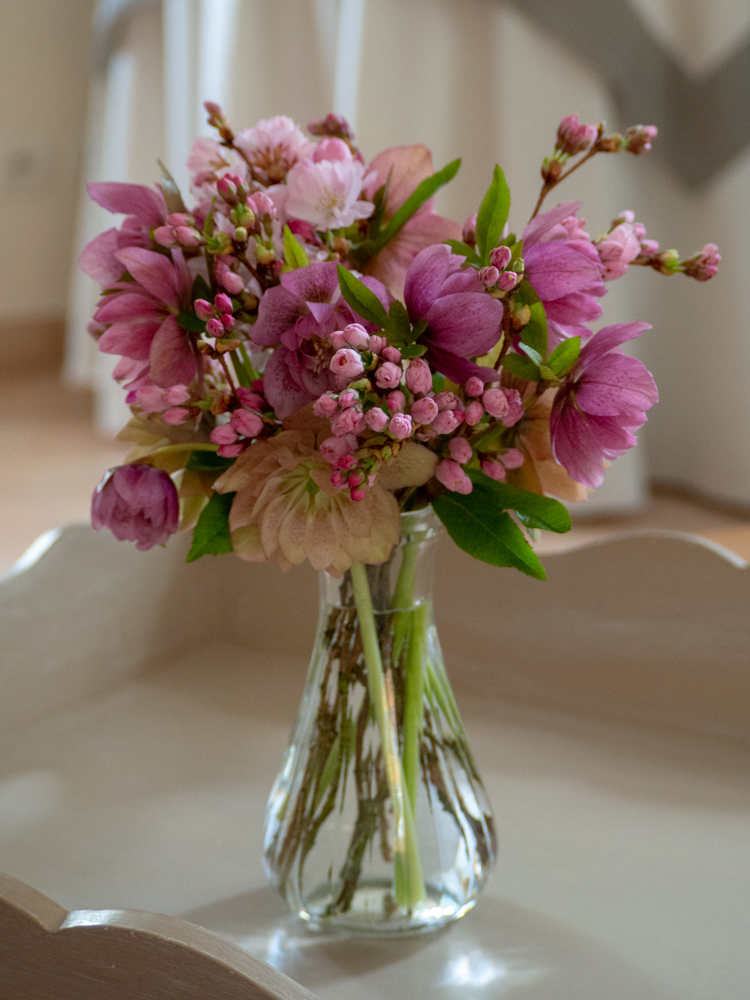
{"x":364,"y":302}
{"x":191,"y":321}
{"x":419,"y":328}
{"x":534,"y":334}
{"x":418,"y":197}
{"x":492,"y":215}
{"x":201,"y":289}
{"x":477,"y":524}
{"x":208,"y":461}
{"x":211,"y":533}
{"x":464,"y":250}
{"x":294,"y":252}
{"x":438,"y":382}
{"x":522,"y":366}
{"x":543,"y":511}
{"x":564,"y":356}
{"x":413,"y":351}
{"x":398,"y":323}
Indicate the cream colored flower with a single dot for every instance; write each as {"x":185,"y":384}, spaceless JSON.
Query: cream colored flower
{"x":286,"y":509}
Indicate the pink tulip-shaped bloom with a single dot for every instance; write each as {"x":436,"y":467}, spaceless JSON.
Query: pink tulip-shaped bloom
{"x":563,"y":267}
{"x":396,"y":401}
{"x":138,"y":504}
{"x":404,"y":168}
{"x":473,"y":413}
{"x":304,"y":306}
{"x":453,"y":477}
{"x":446,"y":421}
{"x":573,"y":137}
{"x":463,"y":321}
{"x":603,"y":400}
{"x":145,"y":210}
{"x":617,"y":249}
{"x":495,"y":470}
{"x":349,"y":421}
{"x":325,"y":406}
{"x":142,"y":316}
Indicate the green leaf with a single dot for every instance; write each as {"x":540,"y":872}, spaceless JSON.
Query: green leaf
{"x":211,"y":533}
{"x":535,"y":356}
{"x":479,"y":526}
{"x":564,"y":356}
{"x":417,"y":198}
{"x":464,"y":250}
{"x":536,"y":510}
{"x":438,"y":382}
{"x":522,"y":366}
{"x":191,"y":321}
{"x":413,"y":351}
{"x":294,"y":252}
{"x":208,"y":225}
{"x":201,"y":289}
{"x":364,"y":302}
{"x":534,"y":334}
{"x":208,"y":461}
{"x":492,"y":215}
{"x":398,"y":323}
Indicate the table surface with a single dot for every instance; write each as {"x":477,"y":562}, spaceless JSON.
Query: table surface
{"x":623,"y":850}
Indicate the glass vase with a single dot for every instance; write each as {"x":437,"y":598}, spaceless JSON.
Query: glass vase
{"x":378,"y":821}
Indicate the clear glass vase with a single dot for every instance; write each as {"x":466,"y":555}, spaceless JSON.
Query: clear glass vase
{"x":378,"y":821}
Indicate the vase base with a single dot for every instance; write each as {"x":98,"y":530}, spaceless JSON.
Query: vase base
{"x":373,"y":912}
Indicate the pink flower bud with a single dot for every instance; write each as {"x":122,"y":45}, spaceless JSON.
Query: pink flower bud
{"x":495,"y":403}
{"x":377,"y":343}
{"x":335,"y":448}
{"x":494,"y":470}
{"x":396,"y":401}
{"x":261,"y":204}
{"x":512,"y":458}
{"x":331,"y":149}
{"x":347,"y":462}
{"x":419,"y":376}
{"x":204,"y":309}
{"x":507,"y":280}
{"x":460,"y":450}
{"x":704,"y":264}
{"x":355,"y":479}
{"x":500,"y":257}
{"x":337,"y":340}
{"x":445,"y":422}
{"x":392,"y":354}
{"x":469,"y":233}
{"x":474,"y":413}
{"x":515,"y":407}
{"x":325,"y":405}
{"x":227,"y":278}
{"x":175,"y":415}
{"x":474,"y":386}
{"x":176,"y":395}
{"x":222,"y":302}
{"x":424,"y":410}
{"x":488,"y":276}
{"x":250,"y":400}
{"x":150,"y":398}
{"x":347,"y":362}
{"x":359,"y":493}
{"x":447,"y":400}
{"x":227,"y":190}
{"x":573,"y":137}
{"x":230,"y":450}
{"x":638,"y":138}
{"x":356,"y":336}
{"x":453,"y":477}
{"x":223,"y":434}
{"x":649,"y":248}
{"x":400,"y":426}
{"x":227,"y":322}
{"x":388,"y":375}
{"x":338,"y":480}
{"x":164,"y":236}
{"x":214,"y":328}
{"x":349,"y":421}
{"x":247,"y":423}
{"x":348,"y":398}
{"x":376,"y":419}
{"x":187,"y":237}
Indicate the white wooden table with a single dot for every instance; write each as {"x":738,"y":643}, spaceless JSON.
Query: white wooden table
{"x":145,"y":707}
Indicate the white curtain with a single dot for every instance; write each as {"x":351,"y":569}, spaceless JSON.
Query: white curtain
{"x":470,"y":78}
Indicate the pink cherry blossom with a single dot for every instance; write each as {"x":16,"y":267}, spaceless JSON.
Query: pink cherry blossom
{"x":418,"y":376}
{"x":474,"y":413}
{"x":325,"y":405}
{"x":500,"y":257}
{"x":223,"y":434}
{"x":334,"y":448}
{"x":349,"y":421}
{"x":495,"y":403}
{"x":273,"y":147}
{"x":396,"y":401}
{"x":445,"y":422}
{"x":573,"y":137}
{"x":391,"y":354}
{"x":619,"y":247}
{"x":326,"y":194}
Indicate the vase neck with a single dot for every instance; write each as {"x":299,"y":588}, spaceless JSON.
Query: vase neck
{"x":405,"y":578}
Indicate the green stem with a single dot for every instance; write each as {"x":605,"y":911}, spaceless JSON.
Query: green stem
{"x":413,"y":707}
{"x":403,"y":596}
{"x":167,"y":449}
{"x":409,"y":886}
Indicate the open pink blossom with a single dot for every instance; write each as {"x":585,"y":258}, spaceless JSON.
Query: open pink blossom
{"x":601,"y":403}
{"x":462,"y":319}
{"x":563,"y":267}
{"x":405,"y":167}
{"x":142,"y":316}
{"x":326,"y":193}
{"x":138,"y":504}
{"x":617,"y":249}
{"x":273,"y":146}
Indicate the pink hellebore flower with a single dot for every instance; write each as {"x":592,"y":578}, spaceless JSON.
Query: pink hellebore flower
{"x":405,"y":167}
{"x":602,"y":402}
{"x":326,"y":193}
{"x":138,"y":504}
{"x":145,"y":209}
{"x":143,"y":316}
{"x":462,"y":319}
{"x":453,"y":477}
{"x":563,"y":267}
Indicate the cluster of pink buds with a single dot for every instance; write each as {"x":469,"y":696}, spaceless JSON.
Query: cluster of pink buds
{"x":245,"y":423}
{"x":621,"y":245}
{"x":638,"y":138}
{"x":219,"y":321}
{"x":704,"y":264}
{"x":179,"y":230}
{"x":333,"y":126}
{"x":169,"y":402}
{"x":573,"y":137}
{"x":495,"y":276}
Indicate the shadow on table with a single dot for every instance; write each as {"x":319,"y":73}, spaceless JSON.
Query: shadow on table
{"x":497,"y":950}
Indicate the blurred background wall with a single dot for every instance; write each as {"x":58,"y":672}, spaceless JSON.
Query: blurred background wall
{"x":483,"y":79}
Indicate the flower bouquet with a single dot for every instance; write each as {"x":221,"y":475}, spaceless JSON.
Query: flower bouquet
{"x":321,"y":367}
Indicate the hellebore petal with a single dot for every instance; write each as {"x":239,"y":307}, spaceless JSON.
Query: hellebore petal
{"x":171,"y":356}
{"x":155,"y":272}
{"x":546,"y":221}
{"x":456,"y":368}
{"x":147,"y":205}
{"x":425,"y":278}
{"x":554,"y":270}
{"x":316,"y":282}
{"x":131,"y":338}
{"x":466,"y":323}
{"x":282,"y":390}
{"x":278,"y":312}
{"x":98,"y":258}
{"x":616,"y":384}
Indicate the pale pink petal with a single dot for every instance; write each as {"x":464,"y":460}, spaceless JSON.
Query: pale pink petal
{"x":617,"y":384}
{"x":610,"y":337}
{"x":127,"y":305}
{"x":544,"y":222}
{"x":146,"y":204}
{"x":315,"y":283}
{"x":98,"y":258}
{"x":423,"y":230}
{"x":425,"y":279}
